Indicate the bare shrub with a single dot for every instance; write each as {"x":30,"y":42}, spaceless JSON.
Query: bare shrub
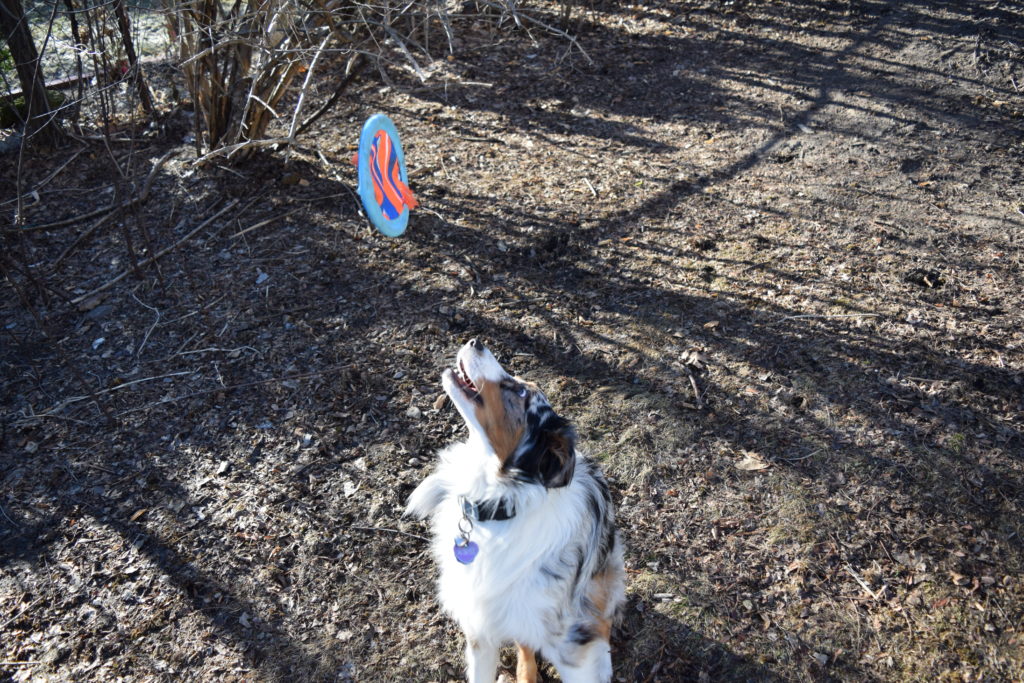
{"x":240,"y":59}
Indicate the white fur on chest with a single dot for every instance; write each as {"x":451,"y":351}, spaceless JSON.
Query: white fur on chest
{"x":501,"y":593}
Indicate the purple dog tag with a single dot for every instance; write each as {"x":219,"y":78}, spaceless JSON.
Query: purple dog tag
{"x":465,"y":551}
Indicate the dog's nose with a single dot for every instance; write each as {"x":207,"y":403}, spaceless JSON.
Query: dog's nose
{"x":476,"y":344}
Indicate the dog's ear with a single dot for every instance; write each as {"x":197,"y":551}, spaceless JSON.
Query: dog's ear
{"x":548,"y":453}
{"x":558,"y":462}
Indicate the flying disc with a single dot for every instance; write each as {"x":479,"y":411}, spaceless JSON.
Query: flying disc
{"x":383,"y":182}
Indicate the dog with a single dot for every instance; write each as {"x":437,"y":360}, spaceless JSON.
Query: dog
{"x":523,"y":530}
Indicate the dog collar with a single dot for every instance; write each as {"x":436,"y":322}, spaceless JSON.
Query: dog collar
{"x":488,"y":511}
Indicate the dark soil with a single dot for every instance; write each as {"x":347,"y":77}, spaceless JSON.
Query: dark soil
{"x":767,"y":256}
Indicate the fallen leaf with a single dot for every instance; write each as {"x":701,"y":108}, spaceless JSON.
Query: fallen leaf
{"x":752,"y":462}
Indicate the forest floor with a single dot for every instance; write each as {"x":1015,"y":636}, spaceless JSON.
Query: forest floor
{"x":766,"y":256}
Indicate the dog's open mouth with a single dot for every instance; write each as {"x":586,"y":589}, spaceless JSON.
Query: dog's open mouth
{"x":464,"y":382}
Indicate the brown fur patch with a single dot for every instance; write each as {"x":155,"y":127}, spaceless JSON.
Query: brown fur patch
{"x":600,"y":591}
{"x":502,"y":421}
{"x":526,"y":665}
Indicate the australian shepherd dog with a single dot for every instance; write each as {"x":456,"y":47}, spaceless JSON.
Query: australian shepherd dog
{"x":524,"y":530}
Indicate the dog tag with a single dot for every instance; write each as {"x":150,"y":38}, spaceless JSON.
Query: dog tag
{"x":465,"y":551}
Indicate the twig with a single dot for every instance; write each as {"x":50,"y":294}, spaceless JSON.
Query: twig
{"x":156,"y":256}
{"x":393,"y":531}
{"x":109,"y":390}
{"x":20,"y":614}
{"x":25,"y":663}
{"x":693,"y":384}
{"x":231,"y":150}
{"x":243,"y":385}
{"x":209,"y":349}
{"x":836,"y":315}
{"x":352,"y":71}
{"x":156,"y":322}
{"x":293,"y":129}
{"x":592,"y":190}
{"x":861,"y":582}
{"x":262,"y":223}
{"x":803,"y":457}
{"x":13,"y":523}
{"x":80,"y":239}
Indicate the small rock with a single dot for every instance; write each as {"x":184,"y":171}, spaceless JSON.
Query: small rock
{"x":821,"y":658}
{"x":414,"y":412}
{"x":223,"y":467}
{"x":99,"y":312}
{"x":91,"y":303}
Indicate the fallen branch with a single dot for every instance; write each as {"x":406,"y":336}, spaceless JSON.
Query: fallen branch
{"x":159,"y":254}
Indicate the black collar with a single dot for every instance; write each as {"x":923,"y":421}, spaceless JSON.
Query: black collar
{"x":487,"y":511}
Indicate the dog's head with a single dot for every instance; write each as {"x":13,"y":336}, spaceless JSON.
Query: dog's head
{"x":512,"y":418}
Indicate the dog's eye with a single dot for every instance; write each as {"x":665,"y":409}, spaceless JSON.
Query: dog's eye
{"x":523,"y":391}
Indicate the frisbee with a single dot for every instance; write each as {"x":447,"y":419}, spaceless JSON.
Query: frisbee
{"x":383,"y":182}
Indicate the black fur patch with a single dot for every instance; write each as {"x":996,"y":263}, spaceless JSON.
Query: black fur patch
{"x":547,"y":452}
{"x":581,"y":634}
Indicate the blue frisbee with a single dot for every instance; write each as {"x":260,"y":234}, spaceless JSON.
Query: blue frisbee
{"x":383,"y":182}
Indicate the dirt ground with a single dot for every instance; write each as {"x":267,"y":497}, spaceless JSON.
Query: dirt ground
{"x":766,"y":255}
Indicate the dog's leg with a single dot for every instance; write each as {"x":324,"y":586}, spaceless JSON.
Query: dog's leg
{"x":590,"y":663}
{"x":526,"y":665}
{"x":481,"y":661}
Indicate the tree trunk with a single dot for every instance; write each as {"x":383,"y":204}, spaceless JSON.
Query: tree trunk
{"x":40,"y":123}
{"x":133,"y":62}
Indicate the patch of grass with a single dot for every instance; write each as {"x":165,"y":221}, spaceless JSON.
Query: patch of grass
{"x":796,"y":519}
{"x":632,"y":453}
